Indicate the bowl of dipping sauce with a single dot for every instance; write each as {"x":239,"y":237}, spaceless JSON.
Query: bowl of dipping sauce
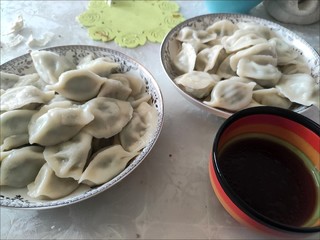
{"x":264,"y":169}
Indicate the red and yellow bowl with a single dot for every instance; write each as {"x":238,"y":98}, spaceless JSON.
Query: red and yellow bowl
{"x":285,"y":125}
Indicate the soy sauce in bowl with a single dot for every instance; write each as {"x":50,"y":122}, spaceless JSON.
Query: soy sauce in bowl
{"x":271,"y":177}
{"x":265,"y":170}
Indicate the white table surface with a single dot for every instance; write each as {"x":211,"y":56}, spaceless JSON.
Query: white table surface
{"x":169,"y":195}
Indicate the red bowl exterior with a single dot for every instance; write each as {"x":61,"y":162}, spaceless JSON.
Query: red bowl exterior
{"x":291,"y":127}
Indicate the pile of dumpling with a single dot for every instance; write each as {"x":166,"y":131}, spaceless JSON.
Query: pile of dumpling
{"x":70,"y":124}
{"x":237,"y":65}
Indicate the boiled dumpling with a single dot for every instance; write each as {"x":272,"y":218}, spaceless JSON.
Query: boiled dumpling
{"x":136,"y":84}
{"x":14,"y":141}
{"x":32,"y":79}
{"x":185,"y":60}
{"x":295,"y":66}
{"x":19,"y":167}
{"x":262,"y":31}
{"x":300,"y":88}
{"x":8,"y":80}
{"x":50,"y":65}
{"x":18,"y":97}
{"x":15,"y":122}
{"x":121,"y":77}
{"x":48,"y":186}
{"x":222,"y":28}
{"x":271,"y":97}
{"x":285,"y":51}
{"x":12,"y":80}
{"x":110,"y":116}
{"x":68,"y":159}
{"x":137,"y":100}
{"x":263,"y":59}
{"x":106,"y":164}
{"x":14,"y":128}
{"x":188,"y":34}
{"x":78,"y":85}
{"x":197,"y":84}
{"x":224,"y":70}
{"x":231,"y":96}
{"x":114,"y":89}
{"x":210,"y":58}
{"x":53,"y":125}
{"x":265,"y":75}
{"x":136,"y":134}
{"x":241,"y":39}
{"x":243,"y":80}
{"x":138,"y":93}
{"x":102,"y":66}
{"x":258,"y":49}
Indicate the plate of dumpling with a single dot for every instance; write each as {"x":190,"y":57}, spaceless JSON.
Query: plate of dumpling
{"x":224,"y":63}
{"x":75,"y":120}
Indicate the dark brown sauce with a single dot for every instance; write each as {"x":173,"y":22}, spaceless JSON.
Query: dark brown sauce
{"x":270,"y":178}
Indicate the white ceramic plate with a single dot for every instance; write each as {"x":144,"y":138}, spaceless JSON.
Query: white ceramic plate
{"x":18,"y":198}
{"x":170,"y":48}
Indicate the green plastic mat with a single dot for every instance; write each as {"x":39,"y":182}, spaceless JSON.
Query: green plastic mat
{"x":130,"y":23}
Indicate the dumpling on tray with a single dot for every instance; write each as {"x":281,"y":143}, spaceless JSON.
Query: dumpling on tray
{"x":19,"y":167}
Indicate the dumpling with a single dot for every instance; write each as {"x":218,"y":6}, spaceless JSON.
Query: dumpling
{"x":231,"y":96}
{"x":8,"y":80}
{"x":295,"y":66}
{"x":263,"y":59}
{"x":53,"y":125}
{"x":210,"y":58}
{"x":285,"y":51}
{"x":271,"y":97}
{"x":222,"y":28}
{"x":14,"y":125}
{"x":185,"y":60}
{"x":78,"y":85}
{"x":102,"y":66}
{"x":14,"y":141}
{"x":265,"y":75}
{"x":61,"y":99}
{"x":224,"y":70}
{"x":68,"y":159}
{"x":12,"y":80}
{"x":243,"y":80}
{"x":110,"y":116}
{"x":262,"y":31}
{"x":139,"y":92}
{"x":300,"y":88}
{"x":258,"y":49}
{"x":197,"y":84}
{"x":18,"y":97}
{"x":50,"y":65}
{"x":32,"y":79}
{"x":137,"y":100}
{"x":188,"y":34}
{"x":106,"y":164}
{"x":138,"y":132}
{"x":121,"y":77}
{"x":136,"y":84}
{"x":241,"y":39}
{"x":48,"y":186}
{"x":114,"y":89}
{"x":14,"y":122}
{"x":19,"y":167}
